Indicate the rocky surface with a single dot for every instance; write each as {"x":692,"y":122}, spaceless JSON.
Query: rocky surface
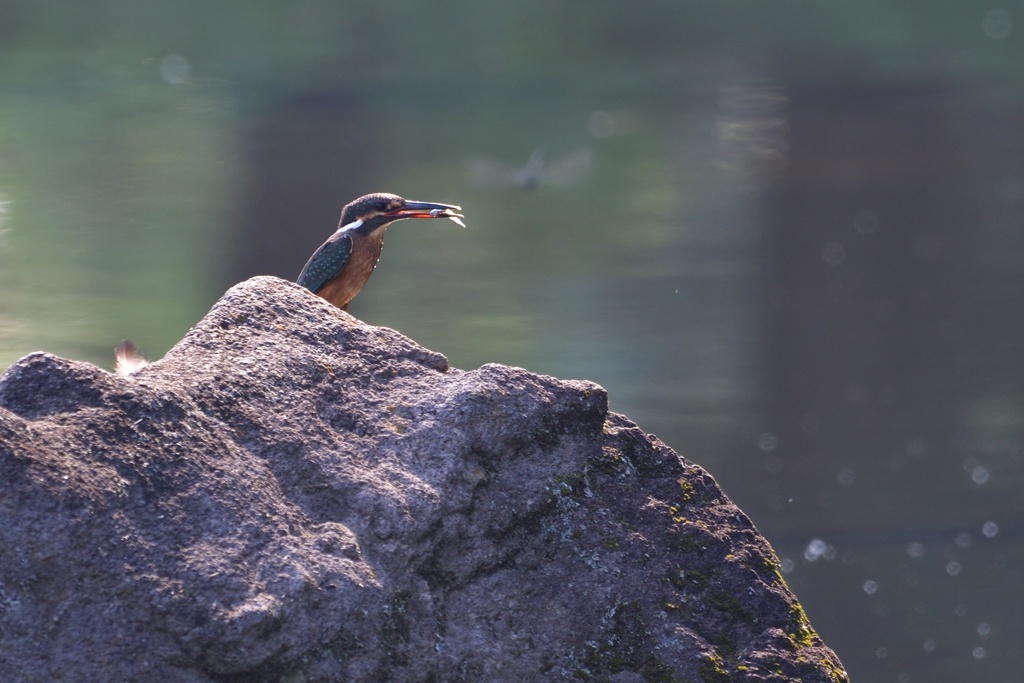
{"x":293,"y":495}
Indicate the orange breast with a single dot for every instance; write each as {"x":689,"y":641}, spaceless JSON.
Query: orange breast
{"x":361,"y":262}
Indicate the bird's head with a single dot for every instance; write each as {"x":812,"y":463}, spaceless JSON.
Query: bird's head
{"x":375,"y":211}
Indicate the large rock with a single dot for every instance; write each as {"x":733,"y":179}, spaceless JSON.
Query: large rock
{"x":293,"y":495}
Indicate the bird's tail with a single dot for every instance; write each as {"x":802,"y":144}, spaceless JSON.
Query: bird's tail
{"x":128,"y":359}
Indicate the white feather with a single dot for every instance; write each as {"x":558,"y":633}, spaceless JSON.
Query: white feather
{"x":354,"y":225}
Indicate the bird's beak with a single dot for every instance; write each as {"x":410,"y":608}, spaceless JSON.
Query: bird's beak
{"x":429,"y":210}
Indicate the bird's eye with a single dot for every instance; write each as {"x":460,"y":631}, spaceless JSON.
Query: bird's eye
{"x":380,"y":206}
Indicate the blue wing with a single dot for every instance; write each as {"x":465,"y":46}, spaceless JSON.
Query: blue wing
{"x":326,"y":262}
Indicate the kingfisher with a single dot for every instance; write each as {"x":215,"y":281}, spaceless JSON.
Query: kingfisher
{"x":342,"y":265}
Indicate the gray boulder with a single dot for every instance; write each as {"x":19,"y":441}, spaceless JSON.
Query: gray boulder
{"x":293,"y":495}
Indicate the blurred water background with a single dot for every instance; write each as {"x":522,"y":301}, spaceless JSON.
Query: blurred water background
{"x":787,"y":237}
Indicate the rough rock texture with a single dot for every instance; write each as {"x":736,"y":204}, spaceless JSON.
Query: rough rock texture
{"x":293,"y":495}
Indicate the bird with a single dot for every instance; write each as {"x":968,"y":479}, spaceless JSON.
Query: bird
{"x":564,"y":172}
{"x":340,"y":267}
